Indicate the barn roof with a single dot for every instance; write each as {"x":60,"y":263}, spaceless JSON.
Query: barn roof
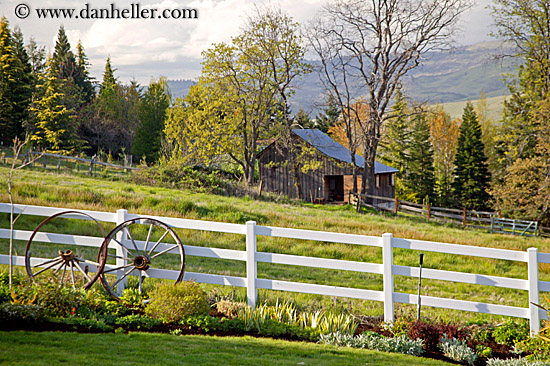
{"x":325,"y":144}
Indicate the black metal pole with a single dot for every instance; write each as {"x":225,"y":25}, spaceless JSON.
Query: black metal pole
{"x":419,"y":285}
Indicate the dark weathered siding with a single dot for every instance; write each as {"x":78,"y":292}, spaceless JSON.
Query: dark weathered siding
{"x":278,"y":177}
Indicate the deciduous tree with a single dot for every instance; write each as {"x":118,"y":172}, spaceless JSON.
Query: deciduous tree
{"x":444,"y":133}
{"x":381,"y":41}
{"x":152,"y":113}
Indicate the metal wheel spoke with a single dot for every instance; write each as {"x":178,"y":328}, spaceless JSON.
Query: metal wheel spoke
{"x":132,"y":239}
{"x":148,"y":238}
{"x":117,"y":268}
{"x":158,"y":242}
{"x":59,"y":261}
{"x":125,"y":247}
{"x":118,"y":256}
{"x":82,"y":270}
{"x":122,"y":277}
{"x":63,"y":275}
{"x":86,"y":261}
{"x":164,"y":251}
{"x":72,"y":274}
{"x":46,"y":262}
{"x":67,"y":259}
{"x":140,"y":281}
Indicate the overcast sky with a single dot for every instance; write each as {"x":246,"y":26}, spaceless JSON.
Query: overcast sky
{"x":147,"y":48}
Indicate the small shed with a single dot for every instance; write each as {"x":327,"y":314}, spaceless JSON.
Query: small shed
{"x":332,"y":181}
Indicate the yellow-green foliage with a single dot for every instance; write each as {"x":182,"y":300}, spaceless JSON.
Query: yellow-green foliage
{"x":172,"y":303}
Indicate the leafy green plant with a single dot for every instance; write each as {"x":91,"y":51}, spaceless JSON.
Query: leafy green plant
{"x":375,"y":341}
{"x":510,"y":333}
{"x":172,"y":303}
{"x":484,"y":351}
{"x":59,"y":300}
{"x":133,"y":299}
{"x":537,"y":347}
{"x":137,"y":322}
{"x":206,"y":323}
{"x":457,"y":350}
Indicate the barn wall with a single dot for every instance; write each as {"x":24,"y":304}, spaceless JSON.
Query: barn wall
{"x":278,"y":178}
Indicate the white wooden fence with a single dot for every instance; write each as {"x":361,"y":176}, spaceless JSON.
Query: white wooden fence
{"x":387,"y":269}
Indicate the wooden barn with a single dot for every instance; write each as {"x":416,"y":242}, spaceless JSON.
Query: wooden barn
{"x":332,"y":182}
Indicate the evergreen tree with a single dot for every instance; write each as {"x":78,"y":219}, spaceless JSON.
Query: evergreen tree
{"x":420,"y":162}
{"x":25,"y":83}
{"x":394,"y":146}
{"x":302,"y":120}
{"x":55,"y":128}
{"x":37,"y":59}
{"x":329,"y":116}
{"x":152,"y":113}
{"x":472,"y":177}
{"x":63,"y":59}
{"x":14,"y":88}
{"x":109,"y":79}
{"x":82,"y":77}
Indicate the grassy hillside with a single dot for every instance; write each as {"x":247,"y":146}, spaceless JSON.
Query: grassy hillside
{"x":62,"y":190}
{"x":495,"y":106}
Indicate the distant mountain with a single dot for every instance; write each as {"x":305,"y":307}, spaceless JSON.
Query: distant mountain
{"x":180,"y":88}
{"x":444,"y":77}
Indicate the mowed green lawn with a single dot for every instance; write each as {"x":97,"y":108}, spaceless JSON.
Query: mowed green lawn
{"x":80,"y":192}
{"x":58,"y":348}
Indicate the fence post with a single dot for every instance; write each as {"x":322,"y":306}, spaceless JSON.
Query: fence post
{"x":429,"y":212}
{"x":251,"y":264}
{"x":533,"y":278}
{"x":464,"y":217}
{"x":91,"y":172}
{"x":122,"y":237}
{"x":387,"y":260}
{"x":396,"y":206}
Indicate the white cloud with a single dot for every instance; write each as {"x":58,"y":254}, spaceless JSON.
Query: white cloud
{"x":170,"y":47}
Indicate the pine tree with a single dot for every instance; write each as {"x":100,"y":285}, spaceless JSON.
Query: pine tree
{"x":472,"y":178}
{"x":109,"y":79}
{"x":37,"y":59}
{"x":329,"y":116}
{"x":63,"y":59}
{"x":420,"y":162}
{"x":152,"y":113}
{"x":14,"y":93}
{"x":82,"y":77}
{"x":394,"y":146}
{"x":25,"y":82}
{"x":55,"y":128}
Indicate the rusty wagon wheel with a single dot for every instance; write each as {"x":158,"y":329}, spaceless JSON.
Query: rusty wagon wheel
{"x":72,"y":262}
{"x":127,"y":255}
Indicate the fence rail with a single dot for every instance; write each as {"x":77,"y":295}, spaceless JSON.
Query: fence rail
{"x":467,"y":218}
{"x":532,"y":258}
{"x":57,"y":159}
